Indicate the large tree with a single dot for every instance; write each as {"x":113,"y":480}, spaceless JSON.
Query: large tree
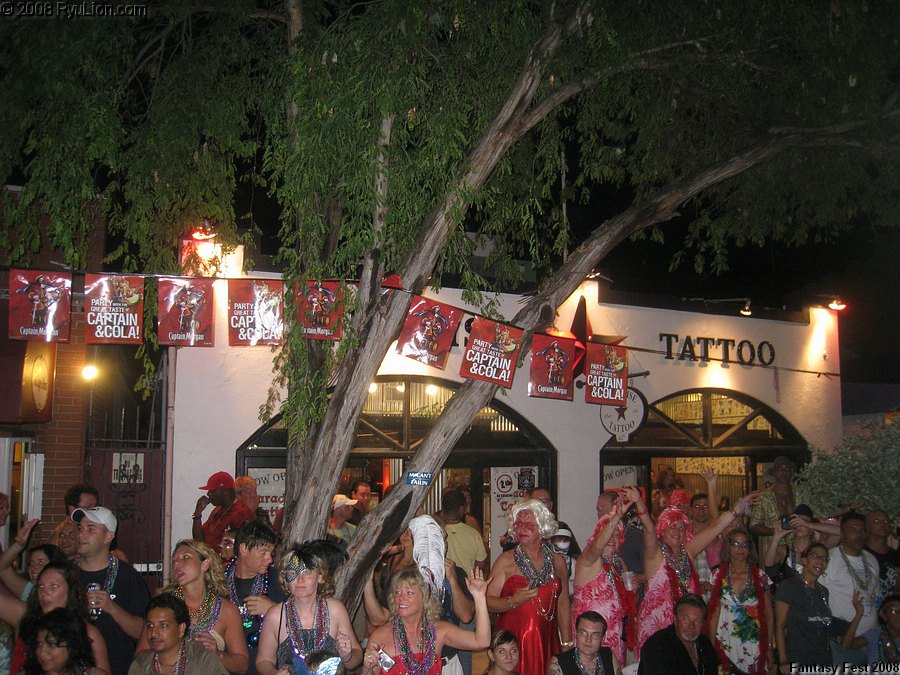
{"x":389,"y":131}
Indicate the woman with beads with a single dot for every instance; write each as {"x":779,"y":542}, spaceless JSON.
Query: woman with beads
{"x":307,"y":576}
{"x":739,"y":618}
{"x":60,"y":646}
{"x":526,"y":588}
{"x":57,"y":586}
{"x":198,"y":579}
{"x":600,"y":579}
{"x":668,"y":566}
{"x":804,"y":625}
{"x":411,"y":642}
{"x":36,"y":559}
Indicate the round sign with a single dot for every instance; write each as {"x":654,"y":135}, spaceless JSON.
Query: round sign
{"x":623,"y":420}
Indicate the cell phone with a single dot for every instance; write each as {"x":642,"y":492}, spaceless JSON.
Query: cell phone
{"x":786,"y":523}
{"x":385,"y":661}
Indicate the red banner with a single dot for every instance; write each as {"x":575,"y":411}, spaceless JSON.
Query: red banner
{"x":113,"y":309}
{"x":552,"y":365}
{"x":318,"y":310}
{"x":607,"y":374}
{"x":40,"y":305}
{"x":186,"y":315}
{"x":491,"y":352}
{"x":255,"y":312}
{"x":428,"y":332}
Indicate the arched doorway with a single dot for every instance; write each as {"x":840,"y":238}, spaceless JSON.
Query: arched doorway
{"x":398,"y":413}
{"x":732,"y":433}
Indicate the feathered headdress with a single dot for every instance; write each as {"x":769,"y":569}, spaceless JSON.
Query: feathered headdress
{"x":428,"y":551}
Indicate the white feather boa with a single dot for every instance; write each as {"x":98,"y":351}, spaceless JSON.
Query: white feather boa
{"x":428,"y":551}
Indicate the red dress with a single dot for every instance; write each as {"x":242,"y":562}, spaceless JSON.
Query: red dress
{"x":400,"y":667}
{"x":533,"y":623}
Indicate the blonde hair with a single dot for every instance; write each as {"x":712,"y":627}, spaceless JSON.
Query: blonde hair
{"x":410,"y":576}
{"x":213,"y":578}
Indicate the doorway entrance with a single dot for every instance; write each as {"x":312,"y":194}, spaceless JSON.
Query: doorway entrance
{"x":735,"y":435}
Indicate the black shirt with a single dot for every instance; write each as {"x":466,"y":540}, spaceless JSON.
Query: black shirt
{"x":130,"y":593}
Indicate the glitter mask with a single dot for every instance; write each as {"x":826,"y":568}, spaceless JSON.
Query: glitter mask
{"x":294,"y":568}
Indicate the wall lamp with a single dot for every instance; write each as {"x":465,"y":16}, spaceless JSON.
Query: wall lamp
{"x":745,"y":310}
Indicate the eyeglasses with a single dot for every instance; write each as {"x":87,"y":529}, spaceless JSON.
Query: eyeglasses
{"x":739,"y":544}
{"x":589,"y":635}
{"x":817,"y":556}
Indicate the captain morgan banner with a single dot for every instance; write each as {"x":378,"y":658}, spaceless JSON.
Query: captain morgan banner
{"x":40,"y":305}
{"x":552,"y":367}
{"x":491,"y":352}
{"x":186,"y":316}
{"x":428,"y":332}
{"x":113,"y":309}
{"x":607,"y":374}
{"x":255,"y":312}
{"x":318,"y":309}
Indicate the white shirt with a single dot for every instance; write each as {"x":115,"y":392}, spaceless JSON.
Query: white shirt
{"x":841,"y":583}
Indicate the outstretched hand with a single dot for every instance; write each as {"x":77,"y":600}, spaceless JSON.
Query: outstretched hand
{"x":25,"y":532}
{"x":477,"y":584}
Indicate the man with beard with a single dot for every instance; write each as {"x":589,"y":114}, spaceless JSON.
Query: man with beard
{"x":681,"y":649}
{"x":167,"y":623}
{"x":252,"y":580}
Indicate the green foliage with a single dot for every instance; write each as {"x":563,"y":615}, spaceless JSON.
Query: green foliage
{"x":863,"y":469}
{"x":150,"y":125}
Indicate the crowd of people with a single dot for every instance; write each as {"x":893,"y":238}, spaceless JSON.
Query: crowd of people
{"x":665,"y":585}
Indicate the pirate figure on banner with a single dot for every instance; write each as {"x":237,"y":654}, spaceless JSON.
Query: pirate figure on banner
{"x":319,"y":300}
{"x":42,"y":294}
{"x":556,"y":360}
{"x":309,"y":619}
{"x":189,"y":302}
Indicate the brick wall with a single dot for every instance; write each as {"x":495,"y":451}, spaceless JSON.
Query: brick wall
{"x":62,"y":440}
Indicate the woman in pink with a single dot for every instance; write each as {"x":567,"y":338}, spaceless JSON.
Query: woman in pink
{"x":668,"y":555}
{"x":599,"y":579}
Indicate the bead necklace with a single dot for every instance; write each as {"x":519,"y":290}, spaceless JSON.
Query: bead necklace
{"x":260,"y":588}
{"x":748,"y":593}
{"x":536,"y":578}
{"x":308,"y":640}
{"x":861,"y":584}
{"x":180,"y":663}
{"x":427,"y":640}
{"x":205,"y":617}
{"x":681,"y":566}
{"x":615,"y":566}
{"x":598,"y":666}
{"x":112,"y":570}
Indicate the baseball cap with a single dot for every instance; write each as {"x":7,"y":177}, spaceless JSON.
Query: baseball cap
{"x":563,"y":532}
{"x":781,"y":460}
{"x":97,"y":514}
{"x":221,"y":479}
{"x":341,"y":500}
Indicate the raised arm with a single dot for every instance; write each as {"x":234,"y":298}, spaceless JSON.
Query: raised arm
{"x":652,"y":552}
{"x":777,"y":550}
{"x":463,"y":605}
{"x":705,"y":538}
{"x":15,"y":582}
{"x":378,"y":615}
{"x":454,"y":636}
{"x":594,"y":550}
{"x":712,"y":492}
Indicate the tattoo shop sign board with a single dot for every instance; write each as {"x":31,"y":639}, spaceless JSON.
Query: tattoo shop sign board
{"x":508,"y":485}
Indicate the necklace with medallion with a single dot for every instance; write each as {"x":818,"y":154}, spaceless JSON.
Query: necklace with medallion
{"x":861,"y":584}
{"x":680,"y":565}
{"x":598,"y":666}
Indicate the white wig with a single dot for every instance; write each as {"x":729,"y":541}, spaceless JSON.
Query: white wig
{"x":546,"y":523}
{"x":429,"y":549}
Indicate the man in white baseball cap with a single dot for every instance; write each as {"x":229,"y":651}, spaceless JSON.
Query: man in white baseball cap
{"x":114,"y":588}
{"x":341,"y":510}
